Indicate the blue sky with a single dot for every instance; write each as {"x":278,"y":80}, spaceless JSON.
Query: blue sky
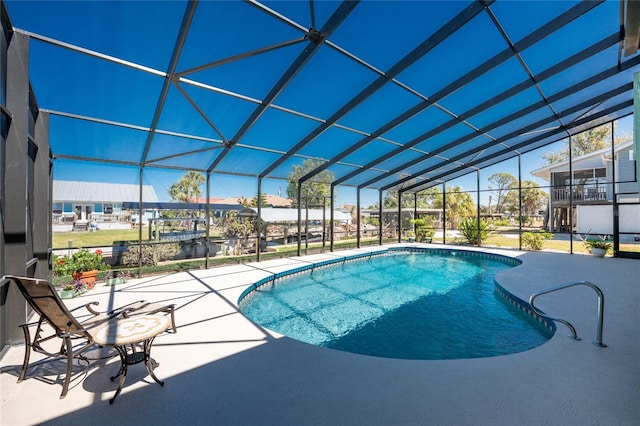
{"x":223,"y":186}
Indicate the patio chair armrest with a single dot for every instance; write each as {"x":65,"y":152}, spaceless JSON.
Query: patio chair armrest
{"x":128,"y":307}
{"x":30,"y":324}
{"x":88,"y":307}
{"x":147,"y":309}
{"x":166,"y":308}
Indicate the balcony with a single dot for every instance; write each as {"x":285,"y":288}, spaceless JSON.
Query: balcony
{"x":579,"y":193}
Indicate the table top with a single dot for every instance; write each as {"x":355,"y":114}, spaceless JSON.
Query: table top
{"x":134,"y":329}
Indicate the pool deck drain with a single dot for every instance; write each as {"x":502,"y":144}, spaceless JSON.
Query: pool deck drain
{"x":220,"y":368}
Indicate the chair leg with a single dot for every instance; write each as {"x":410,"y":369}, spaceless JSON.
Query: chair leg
{"x":27,"y":352}
{"x":67,"y":378}
{"x":173,"y":321}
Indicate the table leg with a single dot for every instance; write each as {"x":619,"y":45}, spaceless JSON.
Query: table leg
{"x":149,"y":363}
{"x":122,"y":372}
{"x":127,"y":359}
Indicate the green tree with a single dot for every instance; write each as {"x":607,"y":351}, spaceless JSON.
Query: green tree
{"x":583,"y":143}
{"x":424,"y":200}
{"x":316,"y":190}
{"x":187,"y":189}
{"x":254,"y":201}
{"x":458,"y":205}
{"x":501,"y":185}
{"x":390,"y":200}
{"x":533,"y":199}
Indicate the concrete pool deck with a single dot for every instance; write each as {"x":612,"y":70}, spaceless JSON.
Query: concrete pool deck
{"x":220,"y":368}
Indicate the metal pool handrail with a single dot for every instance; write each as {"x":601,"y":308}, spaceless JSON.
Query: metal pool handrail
{"x":598,"y":341}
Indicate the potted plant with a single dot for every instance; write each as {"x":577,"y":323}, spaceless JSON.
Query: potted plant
{"x":66,"y":292}
{"x":79,"y":287}
{"x":83,"y":265}
{"x":116,"y":277}
{"x":412,"y":236}
{"x":598,"y":247}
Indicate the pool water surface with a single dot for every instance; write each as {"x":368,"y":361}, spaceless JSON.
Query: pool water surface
{"x":410,"y":305}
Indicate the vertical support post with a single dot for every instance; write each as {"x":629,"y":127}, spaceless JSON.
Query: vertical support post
{"x":444,"y":213}
{"x":259,"y":220}
{"x":140,"y":222}
{"x":571,"y":195}
{"x":299,"y":201}
{"x":415,"y":210}
{"x":207,"y":214}
{"x":478,"y":207}
{"x":13,"y":311}
{"x":358,"y":217}
{"x":614,"y":195}
{"x":306,"y":226}
{"x":399,"y":216}
{"x":380,"y":217}
{"x":636,"y":124}
{"x":42,"y":194}
{"x":331,"y":225}
{"x":520,"y":201}
{"x":324,"y":222}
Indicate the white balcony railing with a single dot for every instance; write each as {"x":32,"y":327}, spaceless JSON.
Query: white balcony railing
{"x":580,"y":193}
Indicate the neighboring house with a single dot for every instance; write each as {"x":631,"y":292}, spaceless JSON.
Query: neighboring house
{"x":102,"y":202}
{"x":590,"y":191}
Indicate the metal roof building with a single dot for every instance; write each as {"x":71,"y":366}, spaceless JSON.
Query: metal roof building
{"x":101,"y":192}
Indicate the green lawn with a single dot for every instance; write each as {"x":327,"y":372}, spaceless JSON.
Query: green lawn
{"x":104,"y":237}
{"x":503,"y":238}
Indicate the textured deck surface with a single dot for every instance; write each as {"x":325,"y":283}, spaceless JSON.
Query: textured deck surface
{"x":220,"y":368}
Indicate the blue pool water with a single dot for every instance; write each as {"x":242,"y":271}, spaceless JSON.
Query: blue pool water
{"x":419,"y":305}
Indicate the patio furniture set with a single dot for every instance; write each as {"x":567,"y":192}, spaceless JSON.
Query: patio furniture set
{"x":129,"y":329}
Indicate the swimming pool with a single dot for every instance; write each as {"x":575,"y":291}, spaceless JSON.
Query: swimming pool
{"x":403,"y":303}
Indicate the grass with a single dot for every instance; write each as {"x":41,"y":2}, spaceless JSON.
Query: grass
{"x":100,"y":238}
{"x":506,"y":238}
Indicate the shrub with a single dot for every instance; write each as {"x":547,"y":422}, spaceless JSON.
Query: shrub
{"x":151,"y":254}
{"x":535,"y":240}
{"x":424,"y":229}
{"x":469,"y":229}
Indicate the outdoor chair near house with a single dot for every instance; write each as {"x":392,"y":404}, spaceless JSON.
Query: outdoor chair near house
{"x":73,"y":327}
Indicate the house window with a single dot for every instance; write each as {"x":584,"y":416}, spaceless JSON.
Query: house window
{"x":561,"y":179}
{"x":601,"y":176}
{"x":56,"y":208}
{"x":589,"y":177}
{"x":107,"y":208}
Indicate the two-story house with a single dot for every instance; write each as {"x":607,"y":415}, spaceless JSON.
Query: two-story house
{"x":588,"y":186}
